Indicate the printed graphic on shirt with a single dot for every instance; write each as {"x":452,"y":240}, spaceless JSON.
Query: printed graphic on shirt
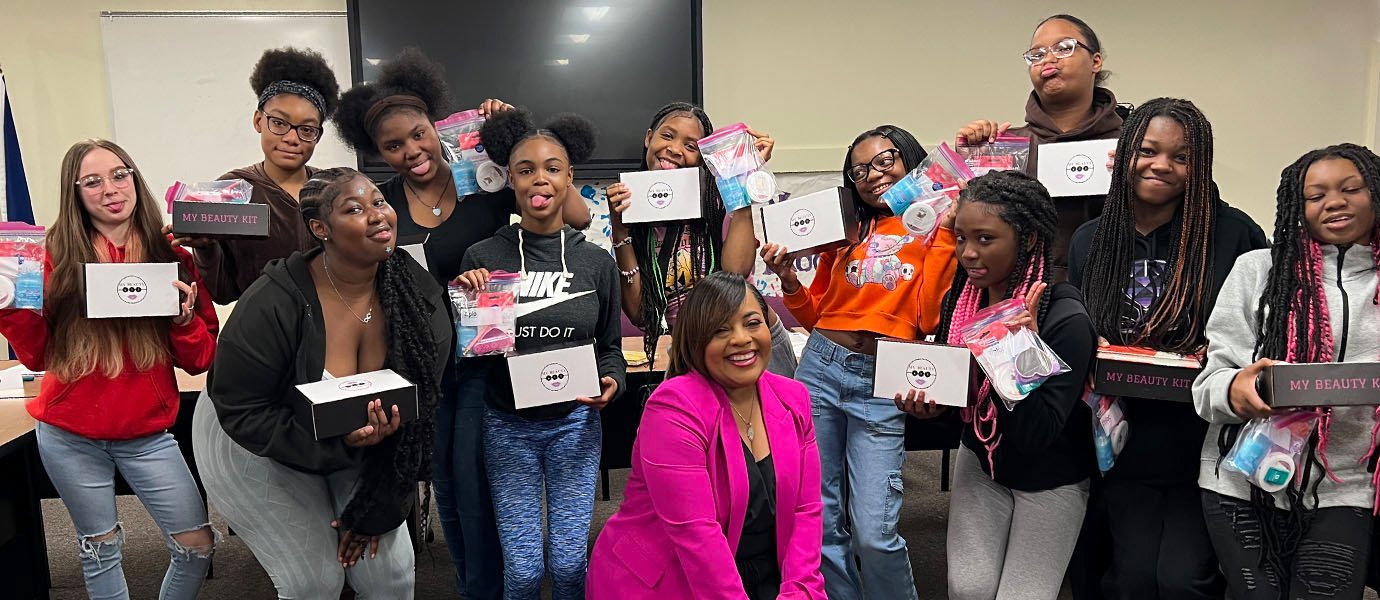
{"x":1147,"y":283}
{"x":539,"y":291}
{"x":881,"y":266}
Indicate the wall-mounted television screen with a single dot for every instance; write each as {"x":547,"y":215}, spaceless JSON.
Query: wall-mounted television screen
{"x":613,"y":61}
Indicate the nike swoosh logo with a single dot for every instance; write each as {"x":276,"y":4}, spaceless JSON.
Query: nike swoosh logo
{"x":527,"y":308}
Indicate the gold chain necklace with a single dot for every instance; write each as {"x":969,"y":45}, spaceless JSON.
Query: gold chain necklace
{"x":368,"y":316}
{"x":746,"y":421}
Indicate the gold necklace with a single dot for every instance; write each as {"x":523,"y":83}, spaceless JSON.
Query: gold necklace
{"x":746,"y":421}
{"x":368,"y":316}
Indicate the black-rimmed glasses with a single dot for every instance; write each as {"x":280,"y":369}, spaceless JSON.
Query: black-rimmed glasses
{"x":883,"y":161}
{"x":306,"y":133}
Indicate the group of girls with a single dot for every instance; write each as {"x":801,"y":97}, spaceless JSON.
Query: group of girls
{"x":752,"y":476}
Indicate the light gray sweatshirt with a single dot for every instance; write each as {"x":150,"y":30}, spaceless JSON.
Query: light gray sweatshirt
{"x":1349,"y":281}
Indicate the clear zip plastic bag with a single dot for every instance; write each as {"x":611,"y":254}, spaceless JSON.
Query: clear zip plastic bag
{"x":1268,"y":451}
{"x":1110,"y":428}
{"x":237,"y":191}
{"x":1005,"y":153}
{"x":928,"y":192}
{"x":731,"y":155}
{"x":1015,"y":360}
{"x":486,"y":320}
{"x":470,"y":166}
{"x":22,"y":253}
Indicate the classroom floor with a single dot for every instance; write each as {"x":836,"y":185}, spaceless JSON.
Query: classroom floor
{"x":238,"y":576}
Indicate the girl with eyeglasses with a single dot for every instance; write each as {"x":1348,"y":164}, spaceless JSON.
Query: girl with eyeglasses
{"x":1068,"y":104}
{"x":1021,"y":478}
{"x":889,"y":284}
{"x":296,"y":92}
{"x":109,"y":395}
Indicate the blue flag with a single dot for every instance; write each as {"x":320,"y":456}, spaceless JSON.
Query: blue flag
{"x":18,"y":205}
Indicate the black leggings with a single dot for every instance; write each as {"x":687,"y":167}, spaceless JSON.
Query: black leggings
{"x":1330,"y":561}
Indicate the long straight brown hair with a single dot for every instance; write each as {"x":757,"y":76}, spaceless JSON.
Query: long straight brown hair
{"x":79,"y":346}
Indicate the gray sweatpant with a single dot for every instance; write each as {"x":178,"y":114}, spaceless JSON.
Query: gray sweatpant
{"x":1006,"y":544}
{"x":284,"y":516}
{"x":783,"y":360}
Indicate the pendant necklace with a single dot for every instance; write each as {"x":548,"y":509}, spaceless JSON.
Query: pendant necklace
{"x":436,"y":208}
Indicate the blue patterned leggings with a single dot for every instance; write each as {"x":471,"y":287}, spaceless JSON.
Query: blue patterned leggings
{"x":524,"y":458}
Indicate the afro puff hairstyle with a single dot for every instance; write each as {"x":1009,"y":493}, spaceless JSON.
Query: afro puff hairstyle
{"x":306,"y":67}
{"x":503,"y":132}
{"x":410,"y":73}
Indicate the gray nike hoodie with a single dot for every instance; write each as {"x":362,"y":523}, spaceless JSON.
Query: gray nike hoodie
{"x":1349,"y":281}
{"x":569,"y":294}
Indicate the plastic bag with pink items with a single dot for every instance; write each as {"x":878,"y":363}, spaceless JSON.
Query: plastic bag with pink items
{"x":227,"y":190}
{"x":926,"y":194}
{"x":470,"y":165}
{"x":22,"y":253}
{"x":486,"y":320}
{"x":731,"y":155}
{"x":1005,"y":153}
{"x":1016,"y":361}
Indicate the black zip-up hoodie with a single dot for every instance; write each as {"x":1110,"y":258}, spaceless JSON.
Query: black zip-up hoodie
{"x":569,"y":294}
{"x":1166,"y":437}
{"x":1046,"y":442}
{"x":276,"y":340}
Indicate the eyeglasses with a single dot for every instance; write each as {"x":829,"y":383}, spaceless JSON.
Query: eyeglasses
{"x":306,"y":133}
{"x":120,"y":178}
{"x":883,"y":161}
{"x":1063,"y":49}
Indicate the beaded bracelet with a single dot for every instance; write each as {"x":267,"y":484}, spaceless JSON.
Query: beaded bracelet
{"x":628,"y":275}
{"x":625,"y":241}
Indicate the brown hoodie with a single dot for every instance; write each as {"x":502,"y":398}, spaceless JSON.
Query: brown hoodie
{"x":1102,"y":123}
{"x":228,"y":266}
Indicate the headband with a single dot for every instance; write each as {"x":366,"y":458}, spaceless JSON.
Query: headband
{"x":292,"y":87}
{"x":376,"y":112}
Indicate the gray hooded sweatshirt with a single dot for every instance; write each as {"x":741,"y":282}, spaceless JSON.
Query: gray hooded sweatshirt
{"x":1349,"y":281}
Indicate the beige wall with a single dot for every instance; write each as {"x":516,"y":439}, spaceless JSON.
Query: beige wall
{"x":55,"y":68}
{"x":1276,"y":77}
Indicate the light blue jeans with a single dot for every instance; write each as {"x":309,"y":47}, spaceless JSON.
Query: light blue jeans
{"x":862,"y":439}
{"x":83,"y":471}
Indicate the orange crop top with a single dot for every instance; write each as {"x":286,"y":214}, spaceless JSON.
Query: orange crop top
{"x":891,"y":284}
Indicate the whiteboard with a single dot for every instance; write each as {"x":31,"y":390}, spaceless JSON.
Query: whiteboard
{"x":180,"y":101}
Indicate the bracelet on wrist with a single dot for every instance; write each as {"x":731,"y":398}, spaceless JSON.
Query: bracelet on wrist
{"x":628,"y":275}
{"x":627,"y":239}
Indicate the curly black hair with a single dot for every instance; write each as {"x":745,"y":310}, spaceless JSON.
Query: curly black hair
{"x":410,"y":73}
{"x":504,"y":132}
{"x":306,"y":67}
{"x":392,"y":467}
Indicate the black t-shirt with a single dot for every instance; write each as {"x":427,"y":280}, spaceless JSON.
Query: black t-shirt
{"x":476,"y":217}
{"x":1166,"y":438}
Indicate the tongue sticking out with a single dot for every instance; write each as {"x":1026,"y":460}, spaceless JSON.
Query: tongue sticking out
{"x":421,"y":169}
{"x":664,"y":164}
{"x":540,"y":201}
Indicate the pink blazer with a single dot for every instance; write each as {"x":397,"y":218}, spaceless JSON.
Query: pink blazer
{"x":683,"y":509}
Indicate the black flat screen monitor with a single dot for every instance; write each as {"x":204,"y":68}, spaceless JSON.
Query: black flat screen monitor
{"x":613,"y":61}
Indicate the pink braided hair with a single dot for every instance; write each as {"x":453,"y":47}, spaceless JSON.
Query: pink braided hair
{"x":983,"y":415}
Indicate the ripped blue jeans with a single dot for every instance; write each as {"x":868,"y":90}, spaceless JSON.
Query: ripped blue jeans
{"x":861,"y":448}
{"x":83,"y":471}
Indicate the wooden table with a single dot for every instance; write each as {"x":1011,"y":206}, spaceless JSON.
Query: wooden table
{"x":23,"y":545}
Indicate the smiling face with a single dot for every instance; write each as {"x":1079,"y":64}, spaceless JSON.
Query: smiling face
{"x":407,"y":141}
{"x":674,"y":144}
{"x":1160,"y":174}
{"x":287,"y":152}
{"x":1337,"y":207}
{"x":540,"y":173}
{"x":738,"y":353}
{"x":359,"y":224}
{"x":870,"y":188}
{"x":1056,"y":77}
{"x":110,"y":205}
{"x":986,"y":246}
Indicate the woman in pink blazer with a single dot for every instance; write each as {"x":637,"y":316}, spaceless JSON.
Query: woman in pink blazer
{"x":723,"y":500}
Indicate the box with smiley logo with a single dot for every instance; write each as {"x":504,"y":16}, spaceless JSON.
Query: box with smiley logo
{"x":338,"y":406}
{"x":941,"y":372}
{"x":810,"y":224}
{"x":1075,"y":168}
{"x":664,"y":195}
{"x":553,"y":376}
{"x":116,"y":290}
